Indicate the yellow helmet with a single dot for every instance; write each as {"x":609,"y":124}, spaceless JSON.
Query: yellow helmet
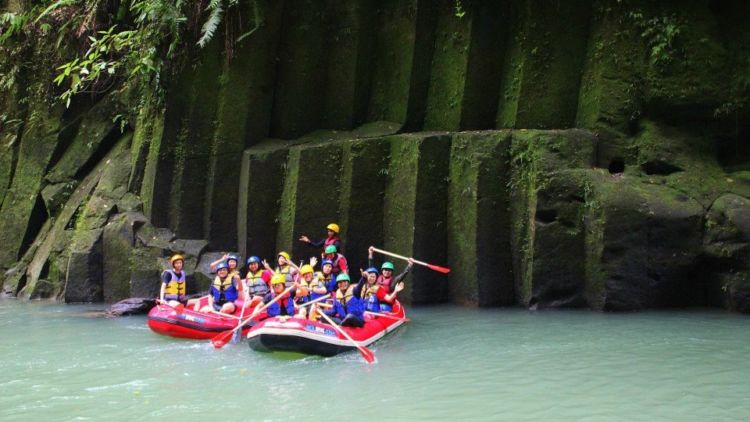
{"x":333,"y":227}
{"x":306,"y":269}
{"x":176,"y":257}
{"x":278,"y":279}
{"x":285,"y":255}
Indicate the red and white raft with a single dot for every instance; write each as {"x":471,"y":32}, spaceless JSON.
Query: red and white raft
{"x":318,"y":338}
{"x":166,"y":320}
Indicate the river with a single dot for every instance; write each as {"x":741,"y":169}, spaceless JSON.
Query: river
{"x":63,"y":362}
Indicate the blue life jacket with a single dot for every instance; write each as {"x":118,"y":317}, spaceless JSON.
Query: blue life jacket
{"x":355,"y":306}
{"x":276,"y":308}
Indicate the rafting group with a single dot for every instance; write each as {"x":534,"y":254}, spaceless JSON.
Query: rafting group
{"x":288,"y":306}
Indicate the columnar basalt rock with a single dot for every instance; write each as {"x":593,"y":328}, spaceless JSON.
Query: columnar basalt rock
{"x":610,"y":172}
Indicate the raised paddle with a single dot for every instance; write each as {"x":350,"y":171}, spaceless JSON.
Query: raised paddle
{"x":433,"y":267}
{"x":220,"y":340}
{"x":365,"y":352}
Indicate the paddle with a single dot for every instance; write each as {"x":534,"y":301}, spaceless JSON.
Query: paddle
{"x":314,"y":301}
{"x":378,"y":314}
{"x":237,"y":333}
{"x":365,"y":352}
{"x":433,"y":267}
{"x":220,"y":340}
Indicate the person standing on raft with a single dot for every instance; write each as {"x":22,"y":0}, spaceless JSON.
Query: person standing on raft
{"x":332,"y":238}
{"x":224,"y":291}
{"x":387,"y":279}
{"x":337,"y":260}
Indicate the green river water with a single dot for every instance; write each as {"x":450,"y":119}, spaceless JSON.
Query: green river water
{"x":61,"y":362}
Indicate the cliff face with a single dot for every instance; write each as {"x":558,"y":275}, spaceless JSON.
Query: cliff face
{"x":553,"y":154}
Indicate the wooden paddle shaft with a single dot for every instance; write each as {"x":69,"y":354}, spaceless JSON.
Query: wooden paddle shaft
{"x":400,"y":256}
{"x":314,"y":301}
{"x":256,"y":311}
{"x":341,"y":330}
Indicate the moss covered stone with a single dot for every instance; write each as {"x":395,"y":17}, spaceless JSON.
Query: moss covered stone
{"x":318,"y":189}
{"x":543,"y":70}
{"x":84,"y":274}
{"x":610,"y":86}
{"x":478,"y":219}
{"x":726,"y":243}
{"x":301,"y":76}
{"x":403,"y":50}
{"x":650,"y":238}
{"x":348,"y":62}
{"x":363,"y":184}
{"x":38,"y":142}
{"x":449,"y":69}
{"x":415,"y":214}
{"x":261,"y":185}
{"x":242,"y":118}
{"x":95,"y":131}
{"x":534,"y":157}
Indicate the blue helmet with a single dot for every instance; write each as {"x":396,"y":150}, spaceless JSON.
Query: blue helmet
{"x":372,"y":270}
{"x":233,"y":258}
{"x":326,"y":262}
{"x":253,"y":260}
{"x":222,"y":266}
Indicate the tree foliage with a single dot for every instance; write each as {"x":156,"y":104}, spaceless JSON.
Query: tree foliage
{"x":123,"y":42}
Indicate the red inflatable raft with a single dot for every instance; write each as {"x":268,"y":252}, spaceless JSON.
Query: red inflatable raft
{"x":166,"y":320}
{"x":318,"y":338}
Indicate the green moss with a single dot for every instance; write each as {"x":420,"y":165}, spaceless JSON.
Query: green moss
{"x":542,"y":74}
{"x":261,"y":200}
{"x":260,"y":72}
{"x":478,"y":220}
{"x":415,"y":214}
{"x":449,"y":70}
{"x":298,"y":99}
{"x":38,"y":143}
{"x":394,"y":54}
{"x":192,"y":177}
{"x":349,"y":42}
{"x":490,"y":23}
{"x":610,"y":88}
{"x":318,"y":189}
{"x":288,"y":202}
{"x":693,"y":156}
{"x":363,"y":191}
{"x":96,"y":127}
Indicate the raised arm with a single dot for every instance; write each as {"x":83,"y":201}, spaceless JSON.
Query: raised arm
{"x":214,"y":264}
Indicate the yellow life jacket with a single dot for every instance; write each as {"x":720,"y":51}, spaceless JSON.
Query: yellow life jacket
{"x":368,"y":291}
{"x":288,"y":275}
{"x":222,"y":285}
{"x":317,"y":281}
{"x":255,"y":283}
{"x":175,"y":289}
{"x":344,"y":297}
{"x":225,"y":289}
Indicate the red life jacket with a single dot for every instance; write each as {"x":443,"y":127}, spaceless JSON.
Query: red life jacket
{"x":385,"y":282}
